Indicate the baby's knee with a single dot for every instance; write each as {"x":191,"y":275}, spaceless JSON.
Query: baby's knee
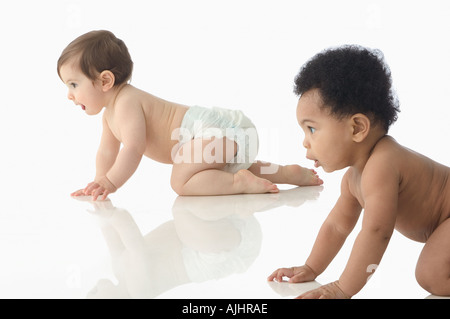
{"x":177,"y":186}
{"x":435,"y":281}
{"x":180,"y":186}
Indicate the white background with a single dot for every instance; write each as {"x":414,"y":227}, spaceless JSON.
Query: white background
{"x":234,"y":54}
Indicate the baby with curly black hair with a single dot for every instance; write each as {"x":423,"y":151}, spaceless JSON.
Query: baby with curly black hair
{"x":346,"y":107}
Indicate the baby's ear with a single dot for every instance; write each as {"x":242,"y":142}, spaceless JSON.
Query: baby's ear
{"x":361,"y":127}
{"x":108,"y":79}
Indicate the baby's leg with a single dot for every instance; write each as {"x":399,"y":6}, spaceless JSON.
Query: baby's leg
{"x":289,"y":174}
{"x":433,"y":267}
{"x":198,"y":170}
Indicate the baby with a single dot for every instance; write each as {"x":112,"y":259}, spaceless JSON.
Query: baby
{"x":212,"y":150}
{"x":345,"y":108}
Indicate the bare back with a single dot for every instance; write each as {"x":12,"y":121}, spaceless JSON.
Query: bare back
{"x":162,"y":118}
{"x":424,"y":190}
{"x":424,"y":197}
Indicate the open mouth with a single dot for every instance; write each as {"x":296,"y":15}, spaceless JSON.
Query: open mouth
{"x":81,"y":105}
{"x":316,"y":162}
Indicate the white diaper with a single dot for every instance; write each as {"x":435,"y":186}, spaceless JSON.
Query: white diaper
{"x":206,"y":123}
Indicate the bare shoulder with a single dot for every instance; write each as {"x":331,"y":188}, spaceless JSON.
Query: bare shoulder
{"x":386,"y":154}
{"x":384,"y":165}
{"x":128,"y":97}
{"x":127,"y":113}
{"x":386,"y":147}
{"x":389,"y":153}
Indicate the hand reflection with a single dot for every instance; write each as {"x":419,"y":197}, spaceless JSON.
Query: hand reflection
{"x":210,"y":237}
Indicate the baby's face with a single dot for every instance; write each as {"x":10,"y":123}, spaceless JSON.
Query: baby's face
{"x":328,"y":140}
{"x":82,"y":91}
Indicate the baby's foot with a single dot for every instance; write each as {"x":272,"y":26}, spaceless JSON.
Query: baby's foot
{"x":301,"y":176}
{"x":248,"y":183}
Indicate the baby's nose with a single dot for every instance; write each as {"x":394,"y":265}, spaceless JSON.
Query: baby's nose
{"x":306,"y":143}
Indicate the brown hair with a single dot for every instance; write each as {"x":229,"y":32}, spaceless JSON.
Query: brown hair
{"x":98,"y":51}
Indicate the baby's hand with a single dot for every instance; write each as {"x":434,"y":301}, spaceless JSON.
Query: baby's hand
{"x":93,"y":189}
{"x":96,"y":190}
{"x":296,"y":274}
{"x":329,"y":291}
{"x":103,"y":187}
{"x":79,"y":192}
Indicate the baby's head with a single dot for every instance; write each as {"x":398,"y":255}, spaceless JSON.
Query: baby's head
{"x":97,"y":51}
{"x":351,"y":79}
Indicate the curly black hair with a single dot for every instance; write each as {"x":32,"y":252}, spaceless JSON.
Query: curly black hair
{"x":351,"y":79}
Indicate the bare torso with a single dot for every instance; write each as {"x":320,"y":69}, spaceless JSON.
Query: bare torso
{"x":424,"y":190}
{"x":162,"y":119}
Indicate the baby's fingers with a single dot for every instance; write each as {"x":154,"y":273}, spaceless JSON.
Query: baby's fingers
{"x":278,"y":274}
{"x":104,"y":195}
{"x":99,"y":191}
{"x":303,"y":275}
{"x":79,"y":192}
{"x":329,"y":291}
{"x":90,"y":188}
{"x":300,"y":277}
{"x":313,"y":294}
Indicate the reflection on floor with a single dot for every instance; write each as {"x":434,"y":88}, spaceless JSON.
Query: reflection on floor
{"x":209,"y":238}
{"x":188,"y":247}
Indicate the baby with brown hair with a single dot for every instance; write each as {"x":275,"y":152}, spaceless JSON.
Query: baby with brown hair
{"x":212,"y":151}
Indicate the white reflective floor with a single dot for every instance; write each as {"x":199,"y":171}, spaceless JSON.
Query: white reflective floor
{"x":164,"y":246}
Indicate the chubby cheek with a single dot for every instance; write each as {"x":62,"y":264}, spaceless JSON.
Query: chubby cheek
{"x":92,"y":102}
{"x":327,"y":164}
{"x":337,"y":159}
{"x":329,"y":156}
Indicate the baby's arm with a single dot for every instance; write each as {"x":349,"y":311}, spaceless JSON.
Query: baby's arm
{"x":339,"y":223}
{"x":335,"y":230}
{"x":106,"y":156}
{"x":379,"y":187}
{"x":107,"y":151}
{"x":130,"y":120}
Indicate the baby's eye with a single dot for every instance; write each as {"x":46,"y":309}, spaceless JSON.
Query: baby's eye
{"x":73,"y":85}
{"x":311,"y":129}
